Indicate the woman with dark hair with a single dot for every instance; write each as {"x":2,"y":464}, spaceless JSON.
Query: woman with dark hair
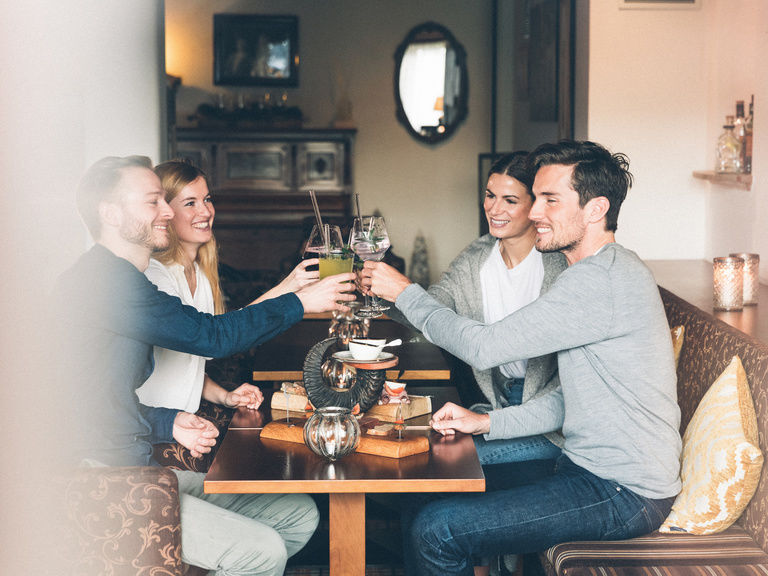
{"x":494,"y":276}
{"x":188,"y":269}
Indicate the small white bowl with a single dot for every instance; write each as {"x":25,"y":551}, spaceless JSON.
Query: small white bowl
{"x":366,"y":348}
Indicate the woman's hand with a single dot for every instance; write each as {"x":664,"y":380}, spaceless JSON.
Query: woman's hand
{"x":196,"y":434}
{"x":383,"y":280}
{"x":246,"y":395}
{"x":300,"y":276}
{"x":452,"y":418}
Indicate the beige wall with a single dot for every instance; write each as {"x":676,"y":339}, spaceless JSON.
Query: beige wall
{"x":80,"y":81}
{"x":431,"y":189}
{"x":660,"y":85}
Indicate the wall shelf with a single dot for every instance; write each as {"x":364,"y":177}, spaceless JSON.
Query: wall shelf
{"x":733,"y":180}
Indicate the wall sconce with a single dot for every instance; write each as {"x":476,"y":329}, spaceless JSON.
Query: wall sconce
{"x":751,"y":277}
{"x":728,"y":283}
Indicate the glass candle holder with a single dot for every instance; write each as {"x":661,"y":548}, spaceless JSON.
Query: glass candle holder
{"x":751,"y":277}
{"x":332,"y":432}
{"x":728,"y":277}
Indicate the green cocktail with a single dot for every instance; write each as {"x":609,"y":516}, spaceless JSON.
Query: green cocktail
{"x":335,"y":263}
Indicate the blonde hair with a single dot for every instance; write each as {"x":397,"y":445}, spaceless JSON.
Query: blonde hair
{"x":175,"y":175}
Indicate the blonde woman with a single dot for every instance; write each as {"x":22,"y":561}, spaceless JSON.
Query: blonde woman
{"x":188,"y":269}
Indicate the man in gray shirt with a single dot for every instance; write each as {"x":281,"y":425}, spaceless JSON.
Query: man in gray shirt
{"x":617,"y":400}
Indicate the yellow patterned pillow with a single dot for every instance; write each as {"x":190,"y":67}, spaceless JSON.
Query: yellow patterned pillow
{"x":678,"y":334}
{"x":721,"y":460}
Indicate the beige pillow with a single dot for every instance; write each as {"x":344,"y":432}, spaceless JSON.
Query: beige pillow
{"x":678,"y":334}
{"x":721,"y":460}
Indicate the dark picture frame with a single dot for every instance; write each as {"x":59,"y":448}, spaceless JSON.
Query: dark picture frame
{"x":255,"y":50}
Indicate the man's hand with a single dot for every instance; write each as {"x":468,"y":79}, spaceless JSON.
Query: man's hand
{"x":328,"y":294}
{"x":452,"y":418}
{"x":246,"y":395}
{"x":383,"y":280}
{"x":196,"y":434}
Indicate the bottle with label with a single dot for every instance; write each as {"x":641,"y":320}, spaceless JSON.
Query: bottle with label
{"x":728,"y":150}
{"x":748,"y":137}
{"x":739,"y":130}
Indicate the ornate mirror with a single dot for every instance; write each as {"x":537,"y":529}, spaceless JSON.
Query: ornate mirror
{"x":430,"y":83}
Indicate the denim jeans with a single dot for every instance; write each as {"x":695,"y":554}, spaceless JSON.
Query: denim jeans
{"x":514,"y":449}
{"x":522,"y":511}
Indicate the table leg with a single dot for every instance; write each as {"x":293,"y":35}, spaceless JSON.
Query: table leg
{"x":347,"y":534}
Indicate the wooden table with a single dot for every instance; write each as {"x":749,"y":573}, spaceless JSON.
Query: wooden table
{"x":282,"y":357}
{"x":245,"y":464}
{"x":692,"y":280}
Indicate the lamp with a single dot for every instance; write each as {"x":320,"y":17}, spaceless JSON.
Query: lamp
{"x":751,"y":277}
{"x":728,"y":278}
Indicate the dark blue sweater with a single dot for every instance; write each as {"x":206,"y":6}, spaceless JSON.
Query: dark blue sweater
{"x":111,"y":317}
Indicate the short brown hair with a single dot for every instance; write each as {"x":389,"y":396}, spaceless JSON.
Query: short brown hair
{"x":98,"y":185}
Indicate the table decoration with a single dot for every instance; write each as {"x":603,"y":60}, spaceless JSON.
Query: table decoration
{"x":332,"y":432}
{"x":728,"y":284}
{"x":751,"y":288}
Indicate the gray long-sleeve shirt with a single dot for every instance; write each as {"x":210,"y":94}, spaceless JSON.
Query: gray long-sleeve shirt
{"x":617,"y":403}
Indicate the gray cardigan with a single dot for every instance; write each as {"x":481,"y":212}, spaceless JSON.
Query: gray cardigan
{"x":459,"y":289}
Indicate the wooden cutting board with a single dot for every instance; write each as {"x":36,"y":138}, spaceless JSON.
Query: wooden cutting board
{"x":377,"y":445}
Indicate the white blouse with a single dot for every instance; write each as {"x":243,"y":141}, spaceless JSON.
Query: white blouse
{"x":507,"y":290}
{"x":177,"y":380}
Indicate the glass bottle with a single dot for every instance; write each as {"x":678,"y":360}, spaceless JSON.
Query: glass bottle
{"x":748,"y":137}
{"x":740,"y":131}
{"x":728,"y":150}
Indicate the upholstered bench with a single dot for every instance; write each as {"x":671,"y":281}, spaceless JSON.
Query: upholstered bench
{"x":707,"y":350}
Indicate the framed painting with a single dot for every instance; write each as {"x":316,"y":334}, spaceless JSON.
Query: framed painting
{"x":255,"y":50}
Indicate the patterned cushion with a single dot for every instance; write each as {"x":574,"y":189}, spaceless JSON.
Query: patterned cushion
{"x":678,"y":335}
{"x":125,"y":521}
{"x":721,"y":461}
{"x":732,"y":552}
{"x":709,"y":345}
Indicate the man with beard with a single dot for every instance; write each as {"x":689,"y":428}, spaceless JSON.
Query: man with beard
{"x":616,"y":403}
{"x":112,"y":315}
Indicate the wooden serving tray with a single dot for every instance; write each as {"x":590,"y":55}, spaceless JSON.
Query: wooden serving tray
{"x":377,"y":445}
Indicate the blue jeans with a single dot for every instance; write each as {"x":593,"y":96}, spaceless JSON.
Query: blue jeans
{"x":515,"y":449}
{"x":524,"y":511}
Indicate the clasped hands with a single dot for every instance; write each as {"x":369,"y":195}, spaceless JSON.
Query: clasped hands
{"x":196,"y":434}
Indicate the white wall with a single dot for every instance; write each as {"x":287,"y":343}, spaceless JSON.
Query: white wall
{"x":417,"y":187}
{"x":80,"y":81}
{"x":648,"y":99}
{"x":660,"y":85}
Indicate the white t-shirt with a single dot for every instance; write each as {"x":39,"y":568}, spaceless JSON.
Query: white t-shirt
{"x":177,"y":380}
{"x":505,"y":291}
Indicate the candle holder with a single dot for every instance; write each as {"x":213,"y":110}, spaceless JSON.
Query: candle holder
{"x":728,"y":278}
{"x":751,"y":288}
{"x":332,"y":432}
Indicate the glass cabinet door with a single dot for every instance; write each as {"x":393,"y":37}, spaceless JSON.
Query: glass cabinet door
{"x":320,"y":165}
{"x":260,"y":166}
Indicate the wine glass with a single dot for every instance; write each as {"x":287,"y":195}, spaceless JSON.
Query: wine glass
{"x":335,"y":257}
{"x":370,"y":241}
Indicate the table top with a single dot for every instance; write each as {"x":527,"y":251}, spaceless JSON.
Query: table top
{"x":247,"y":464}
{"x":692,"y":280}
{"x":282,"y":357}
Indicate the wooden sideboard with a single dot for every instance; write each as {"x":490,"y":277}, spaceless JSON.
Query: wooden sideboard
{"x":692,"y":280}
{"x":260,"y":183}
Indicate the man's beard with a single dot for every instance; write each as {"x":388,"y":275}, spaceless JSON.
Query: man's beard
{"x":564,"y":245}
{"x":136,"y":232}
